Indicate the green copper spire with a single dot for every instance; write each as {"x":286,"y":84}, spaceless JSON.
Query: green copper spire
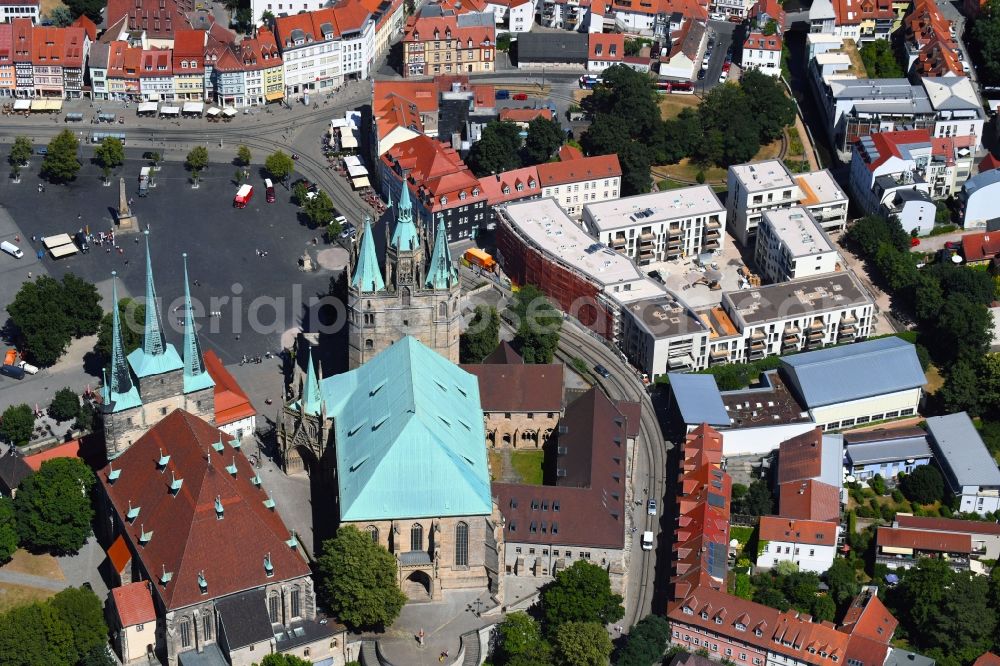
{"x":367,"y":276}
{"x":196,"y":377}
{"x":152,"y":335}
{"x":405,"y":236}
{"x":119,"y":392}
{"x":442,"y":273}
{"x":310,"y":392}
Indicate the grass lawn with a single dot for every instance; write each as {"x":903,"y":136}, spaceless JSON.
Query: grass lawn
{"x":47,"y":6}
{"x":496,"y":464}
{"x":35,"y":565}
{"x":672,"y":105}
{"x":934,"y":379}
{"x":19,"y":595}
{"x":528,"y":465}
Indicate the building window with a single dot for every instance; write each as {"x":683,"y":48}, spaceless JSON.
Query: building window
{"x":295,"y":603}
{"x":206,"y":627}
{"x":185,"y":631}
{"x":462,"y":545}
{"x":273,"y":608}
{"x":373,"y":533}
{"x":417,"y":537}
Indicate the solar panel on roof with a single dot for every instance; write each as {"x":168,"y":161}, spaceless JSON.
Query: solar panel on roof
{"x":716,"y":500}
{"x":717,"y":560}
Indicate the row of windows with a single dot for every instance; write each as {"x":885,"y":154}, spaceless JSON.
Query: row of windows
{"x":846,"y":423}
{"x":417,"y":541}
{"x":584,"y":554}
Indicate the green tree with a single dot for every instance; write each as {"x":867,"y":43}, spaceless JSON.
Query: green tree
{"x":97,"y":657}
{"x":519,"y":635}
{"x":84,"y":613}
{"x":963,"y":330}
{"x":60,"y":164}
{"x":984,"y":41}
{"x":278,"y":659}
{"x":358,"y":579}
{"x":86,"y":418}
{"x":319,"y":210}
{"x":758,"y":500}
{"x":132,"y":317}
{"x":279,"y":165}
{"x":823,"y":609}
{"x":20,"y":151}
{"x":92,"y":8}
{"x":879,"y":60}
{"x":605,"y":136}
{"x":633,"y":158}
{"x":267,"y":17}
{"x":81,"y":303}
{"x":581,"y":593}
{"x":17,"y":424}
{"x":243,"y":156}
{"x":60,"y":17}
{"x":53,"y":506}
{"x":481,"y":337}
{"x":36,"y":635}
{"x":197,"y":159}
{"x":110,"y":154}
{"x":842,"y":580}
{"x":581,"y":644}
{"x":646,"y":642}
{"x":543,"y":140}
{"x":497,"y":150}
{"x":633,"y":46}
{"x":961,"y":392}
{"x":65,"y":405}
{"x":769,"y":103}
{"x":924,"y":485}
{"x":538,"y":325}
{"x":8,"y":531}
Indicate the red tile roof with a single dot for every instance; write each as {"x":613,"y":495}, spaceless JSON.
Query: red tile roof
{"x":67,"y":450}
{"x":575,"y":171}
{"x":58,"y":46}
{"x":157,"y":18}
{"x":568,"y":152}
{"x":260,"y":52}
{"x":435,"y":173}
{"x":987,"y":659}
{"x":923,"y":540}
{"x":22,"y":38}
{"x":591,"y":512}
{"x":868,"y":617}
{"x":937,"y":58}
{"x":187,"y":536}
{"x":606,"y":47}
{"x":424,"y":28}
{"x":231,"y":402}
{"x":947,"y":525}
{"x":989,"y":163}
{"x":813,"y":532}
{"x":809,"y":500}
{"x":134,"y":603}
{"x":119,"y":554}
{"x":981,"y":246}
{"x":800,"y":458}
{"x":761,"y":42}
{"x":402,"y":104}
{"x":524,"y":115}
{"x":89,"y":27}
{"x":311,"y":24}
{"x":888,"y":144}
{"x":853,"y":12}
{"x":524,"y":387}
{"x":511,"y":185}
{"x":155,"y":59}
{"x":189,"y":47}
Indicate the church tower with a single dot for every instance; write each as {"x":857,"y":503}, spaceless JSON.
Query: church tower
{"x":416,"y":296}
{"x":153,"y":380}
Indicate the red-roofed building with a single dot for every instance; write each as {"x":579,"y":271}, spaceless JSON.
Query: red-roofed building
{"x":900,"y":547}
{"x":578,"y":182}
{"x":604,"y":50}
{"x":199,"y":528}
{"x":68,"y":450}
{"x":811,"y":544}
{"x":568,"y":152}
{"x":869,"y":618}
{"x":448,"y":45}
{"x":8,"y":80}
{"x":989,"y":163}
{"x":234,"y":414}
{"x":523,"y":117}
{"x":512,"y":185}
{"x":154,"y":20}
{"x":865,"y":20}
{"x":441,"y":185}
{"x":809,"y":500}
{"x":980,"y":248}
{"x":985,"y":535}
{"x":83,"y":21}
{"x":937,"y":58}
{"x":189,"y":64}
{"x":21,"y":38}
{"x":135,"y":620}
{"x":263,"y":70}
{"x":156,"y":75}
{"x":987,"y":659}
{"x":58,"y":56}
{"x":403,"y":110}
{"x":763,"y":52}
{"x":123,"y":71}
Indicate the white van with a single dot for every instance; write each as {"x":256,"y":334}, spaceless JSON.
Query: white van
{"x":11,"y":249}
{"x":647,"y":540}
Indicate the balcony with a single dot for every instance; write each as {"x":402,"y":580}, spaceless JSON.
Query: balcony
{"x":758,"y":335}
{"x":711,"y":244}
{"x":618,"y":243}
{"x":674,"y":231}
{"x":714,"y":223}
{"x":848,"y":319}
{"x":646,"y":254}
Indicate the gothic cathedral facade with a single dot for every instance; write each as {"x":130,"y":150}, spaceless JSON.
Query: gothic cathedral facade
{"x":417,"y":294}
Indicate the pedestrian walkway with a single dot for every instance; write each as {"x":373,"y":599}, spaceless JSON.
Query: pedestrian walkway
{"x":29,"y":580}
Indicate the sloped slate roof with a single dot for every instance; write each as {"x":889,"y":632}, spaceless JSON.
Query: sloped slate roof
{"x":698,"y":399}
{"x":853,"y":372}
{"x":410,"y":438}
{"x":959,"y":448}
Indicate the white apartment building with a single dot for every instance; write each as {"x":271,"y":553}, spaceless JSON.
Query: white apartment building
{"x":663,"y":334}
{"x":660,"y":226}
{"x":799,"y":315}
{"x":513,"y":15}
{"x":311,"y":51}
{"x":13,"y":9}
{"x":823,"y":198}
{"x":762,"y":52}
{"x":356,"y":51}
{"x":575,"y":183}
{"x":754,"y":188}
{"x":790,"y":245}
{"x":811,"y":544}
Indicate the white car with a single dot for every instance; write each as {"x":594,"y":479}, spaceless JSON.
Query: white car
{"x":717,"y":16}
{"x":647,"y":540}
{"x":723,"y":76}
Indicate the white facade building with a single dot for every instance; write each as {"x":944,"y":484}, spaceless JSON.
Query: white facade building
{"x":811,"y":544}
{"x":513,"y":16}
{"x":968,"y":469}
{"x":576,"y":183}
{"x":762,"y":52}
{"x":660,"y":226}
{"x":978,"y":199}
{"x":790,"y":245}
{"x":755,"y":188}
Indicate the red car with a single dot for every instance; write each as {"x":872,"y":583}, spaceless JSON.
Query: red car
{"x":914,"y":242}
{"x":520,"y":97}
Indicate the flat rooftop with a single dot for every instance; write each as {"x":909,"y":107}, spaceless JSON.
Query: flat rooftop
{"x":797,"y":229}
{"x":785,"y":300}
{"x":819,"y":188}
{"x":761,"y":176}
{"x":644,"y":209}
{"x":769,"y":402}
{"x":718,"y":322}
{"x":547,"y":226}
{"x":665,"y":316}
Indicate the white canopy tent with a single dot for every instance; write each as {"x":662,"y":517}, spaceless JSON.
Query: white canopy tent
{"x":194,"y":107}
{"x":170,"y":111}
{"x":147,"y":107}
{"x":354,"y":171}
{"x":22,"y":104}
{"x":213,"y":111}
{"x":363,"y":181}
{"x":56,"y":240}
{"x":229,"y":112}
{"x":338,"y":123}
{"x":347,"y":140}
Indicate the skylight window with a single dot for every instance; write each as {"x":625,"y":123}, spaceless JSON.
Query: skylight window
{"x":133,"y":512}
{"x":162,"y":462}
{"x":219,"y":509}
{"x":175,"y":484}
{"x":218,"y":446}
{"x":269,"y":503}
{"x":235,"y":443}
{"x":268,"y":567}
{"x":231,"y":468}
{"x":144,"y":536}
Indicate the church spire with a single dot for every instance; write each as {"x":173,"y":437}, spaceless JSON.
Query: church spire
{"x":367,"y":276}
{"x":196,"y":377}
{"x":153,"y":343}
{"x":442,"y":273}
{"x":119,"y":392}
{"x":405,"y":237}
{"x":310,"y":392}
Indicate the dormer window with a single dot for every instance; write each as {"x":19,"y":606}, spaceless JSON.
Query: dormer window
{"x":475,"y":191}
{"x":162,"y":462}
{"x":269,"y":503}
{"x":166,"y":577}
{"x":133,"y":512}
{"x":506,"y":189}
{"x":469,"y":44}
{"x":175,"y":484}
{"x":758,"y":633}
{"x":232,"y":467}
{"x":202,"y":582}
{"x":144,"y":536}
{"x":718,"y":619}
{"x":688,"y":611}
{"x":520,"y":187}
{"x":531,"y":183}
{"x":740,"y":626}
{"x":219,"y":509}
{"x":444,"y":201}
{"x":704,"y":615}
{"x":268,"y":567}
{"x":461,"y":196}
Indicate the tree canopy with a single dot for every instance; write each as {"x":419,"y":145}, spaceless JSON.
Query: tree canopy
{"x":358,"y":578}
{"x":278,"y":659}
{"x":924,"y":485}
{"x":279,"y":165}
{"x":53,"y":507}
{"x":497,"y":150}
{"x":48,"y":313}
{"x":520,"y":637}
{"x":65,"y":405}
{"x":92,"y":8}
{"x":544,"y":139}
{"x":60,"y":164}
{"x":110,"y":153}
{"x":8,"y":530}
{"x":757,"y":501}
{"x":880,"y":62}
{"x":983,"y":37}
{"x":842,"y":579}
{"x":481,"y":337}
{"x":243,"y":156}
{"x":16,"y":424}
{"x":319,"y":209}
{"x":20,"y":151}
{"x":69,"y":628}
{"x":132,"y":317}
{"x":581,"y":593}
{"x":645,"y":643}
{"x":197,"y":159}
{"x":538,"y":325}
{"x":581,"y":644}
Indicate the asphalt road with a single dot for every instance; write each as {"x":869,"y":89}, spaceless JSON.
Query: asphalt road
{"x":723,"y":32}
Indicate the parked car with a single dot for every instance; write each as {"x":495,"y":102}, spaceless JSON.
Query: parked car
{"x":651,"y":507}
{"x":503,"y":93}
{"x":520,"y":97}
{"x":602,"y":371}
{"x":723,"y":76}
{"x":953,"y":245}
{"x":348,"y":230}
{"x":43,"y":150}
{"x":914,"y":242}
{"x":647,"y":540}
{"x":702,"y":71}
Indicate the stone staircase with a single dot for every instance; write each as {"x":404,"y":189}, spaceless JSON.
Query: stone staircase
{"x":470,"y":642}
